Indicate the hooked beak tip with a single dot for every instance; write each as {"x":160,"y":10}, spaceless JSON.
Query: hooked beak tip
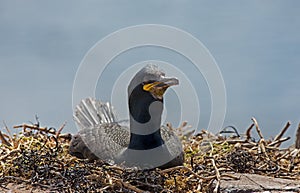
{"x":170,"y":81}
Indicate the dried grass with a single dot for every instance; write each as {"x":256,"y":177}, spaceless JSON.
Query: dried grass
{"x":38,"y":158}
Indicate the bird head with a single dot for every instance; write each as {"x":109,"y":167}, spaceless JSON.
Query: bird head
{"x":151,"y":79}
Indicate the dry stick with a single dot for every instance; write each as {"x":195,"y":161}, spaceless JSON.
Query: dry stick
{"x":8,"y":131}
{"x":131,"y":187}
{"x":295,"y":152}
{"x":176,"y":184}
{"x":106,"y":187}
{"x":60,"y":129}
{"x":248,"y":132}
{"x":218,"y":176}
{"x":257,"y":128}
{"x":279,"y":136}
{"x":278,"y":141}
{"x":211,"y":150}
{"x":297,"y":142}
{"x":9,"y":154}
{"x":244,"y":143}
{"x":232,"y":141}
{"x":67,"y":136}
{"x":25,"y":126}
{"x":262,"y":142}
{"x":3,"y":140}
{"x":230,"y":176}
{"x":261,"y":145}
{"x":282,"y":131}
{"x":285,"y":155}
{"x":44,"y":129}
{"x":185,"y":168}
{"x":1,"y":186}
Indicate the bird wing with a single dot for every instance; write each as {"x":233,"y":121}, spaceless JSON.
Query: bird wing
{"x":99,"y":132}
{"x":105,"y":140}
{"x":100,"y":136}
{"x":173,"y":143}
{"x":90,"y":112}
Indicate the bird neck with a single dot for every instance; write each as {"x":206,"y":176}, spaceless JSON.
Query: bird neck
{"x":145,"y":128}
{"x":145,"y":142}
{"x":145,"y":120}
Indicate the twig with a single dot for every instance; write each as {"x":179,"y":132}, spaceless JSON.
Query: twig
{"x":3,"y":140}
{"x":34,"y":127}
{"x":283,"y":156}
{"x":106,"y":187}
{"x":211,"y":150}
{"x":9,"y":153}
{"x":261,"y":145}
{"x":278,"y":141}
{"x":230,"y":176}
{"x":172,"y":169}
{"x":46,"y":130}
{"x":37,"y":121}
{"x":248,"y":132}
{"x":8,"y":131}
{"x":3,"y":187}
{"x":279,"y":136}
{"x":257,"y":128}
{"x":233,"y":141}
{"x":297,"y":142}
{"x":67,"y":136}
{"x":60,"y":129}
{"x":282,"y":131}
{"x":218,"y":176}
{"x":131,"y":187}
{"x":184,"y":168}
{"x":295,"y":152}
{"x":175,"y":182}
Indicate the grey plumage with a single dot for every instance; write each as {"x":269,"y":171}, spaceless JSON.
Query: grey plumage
{"x":101,"y":136}
{"x":92,"y":112}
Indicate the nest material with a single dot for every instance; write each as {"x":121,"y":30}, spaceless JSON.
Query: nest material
{"x":38,"y":158}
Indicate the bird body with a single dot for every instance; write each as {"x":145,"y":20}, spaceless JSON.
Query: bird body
{"x":145,"y":143}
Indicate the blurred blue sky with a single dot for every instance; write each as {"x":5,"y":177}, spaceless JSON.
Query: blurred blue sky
{"x":255,"y":43}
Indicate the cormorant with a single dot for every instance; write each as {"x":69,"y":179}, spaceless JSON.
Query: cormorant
{"x":144,"y":143}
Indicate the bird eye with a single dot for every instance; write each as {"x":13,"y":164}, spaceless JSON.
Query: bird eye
{"x":148,"y":82}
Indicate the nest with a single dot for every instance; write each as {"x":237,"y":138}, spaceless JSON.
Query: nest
{"x":38,"y":158}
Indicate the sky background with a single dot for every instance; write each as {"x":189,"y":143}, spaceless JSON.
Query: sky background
{"x":255,"y":44}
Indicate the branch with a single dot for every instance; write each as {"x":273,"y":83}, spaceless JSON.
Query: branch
{"x":248,"y":132}
{"x":60,"y":129}
{"x":279,"y":136}
{"x":277,"y":142}
{"x":297,"y":142}
{"x":257,"y":128}
{"x":218,"y":176}
{"x":3,"y":140}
